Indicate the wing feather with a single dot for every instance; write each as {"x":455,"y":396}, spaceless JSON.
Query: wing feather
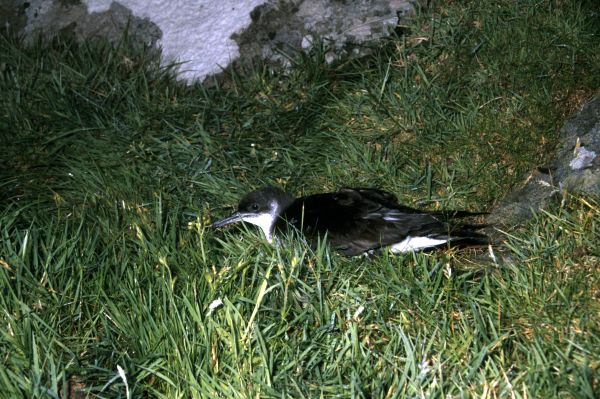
{"x":360,"y":220}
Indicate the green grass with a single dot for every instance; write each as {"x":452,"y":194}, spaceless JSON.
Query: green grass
{"x":104,"y":153}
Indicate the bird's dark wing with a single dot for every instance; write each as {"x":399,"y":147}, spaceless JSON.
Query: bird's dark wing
{"x":360,"y":220}
{"x":382,"y":198}
{"x":390,"y":201}
{"x":373,"y":194}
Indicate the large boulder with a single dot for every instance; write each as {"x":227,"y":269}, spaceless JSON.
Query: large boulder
{"x":346,"y":28}
{"x":206,"y":36}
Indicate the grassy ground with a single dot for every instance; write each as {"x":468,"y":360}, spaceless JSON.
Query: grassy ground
{"x":106,"y":287}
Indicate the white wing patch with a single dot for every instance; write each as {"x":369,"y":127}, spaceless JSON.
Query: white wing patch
{"x":391,"y":218}
{"x":416,"y":243}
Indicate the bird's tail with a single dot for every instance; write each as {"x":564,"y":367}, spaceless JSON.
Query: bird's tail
{"x":467,"y":235}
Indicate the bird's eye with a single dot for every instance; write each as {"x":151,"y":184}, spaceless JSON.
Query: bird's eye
{"x":254,"y":207}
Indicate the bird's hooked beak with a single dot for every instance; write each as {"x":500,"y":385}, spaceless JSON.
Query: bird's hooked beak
{"x":236,"y":217}
{"x":263,"y":220}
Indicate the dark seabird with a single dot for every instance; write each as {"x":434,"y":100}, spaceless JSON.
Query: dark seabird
{"x":356,"y":220}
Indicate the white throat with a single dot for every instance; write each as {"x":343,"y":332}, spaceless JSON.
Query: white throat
{"x":263,"y":220}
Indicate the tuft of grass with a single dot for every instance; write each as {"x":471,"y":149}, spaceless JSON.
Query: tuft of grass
{"x":109,"y":288}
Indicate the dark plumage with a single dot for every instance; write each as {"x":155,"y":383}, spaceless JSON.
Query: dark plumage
{"x":356,"y":220}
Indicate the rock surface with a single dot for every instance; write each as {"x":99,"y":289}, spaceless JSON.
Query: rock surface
{"x":546,"y":186}
{"x":347,"y":28}
{"x":72,"y":19}
{"x":206,"y":36}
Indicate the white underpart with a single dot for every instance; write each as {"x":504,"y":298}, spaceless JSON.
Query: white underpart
{"x":263,"y":220}
{"x":416,"y":243}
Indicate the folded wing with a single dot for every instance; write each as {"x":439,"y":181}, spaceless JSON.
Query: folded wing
{"x":358,"y":220}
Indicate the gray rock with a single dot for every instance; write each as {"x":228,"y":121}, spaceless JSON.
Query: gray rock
{"x":581,"y":130}
{"x":540,"y":189}
{"x":70,"y":18}
{"x":277,"y":28}
{"x":347,"y":28}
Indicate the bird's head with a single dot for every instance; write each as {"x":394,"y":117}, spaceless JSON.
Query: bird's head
{"x":261,"y":207}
